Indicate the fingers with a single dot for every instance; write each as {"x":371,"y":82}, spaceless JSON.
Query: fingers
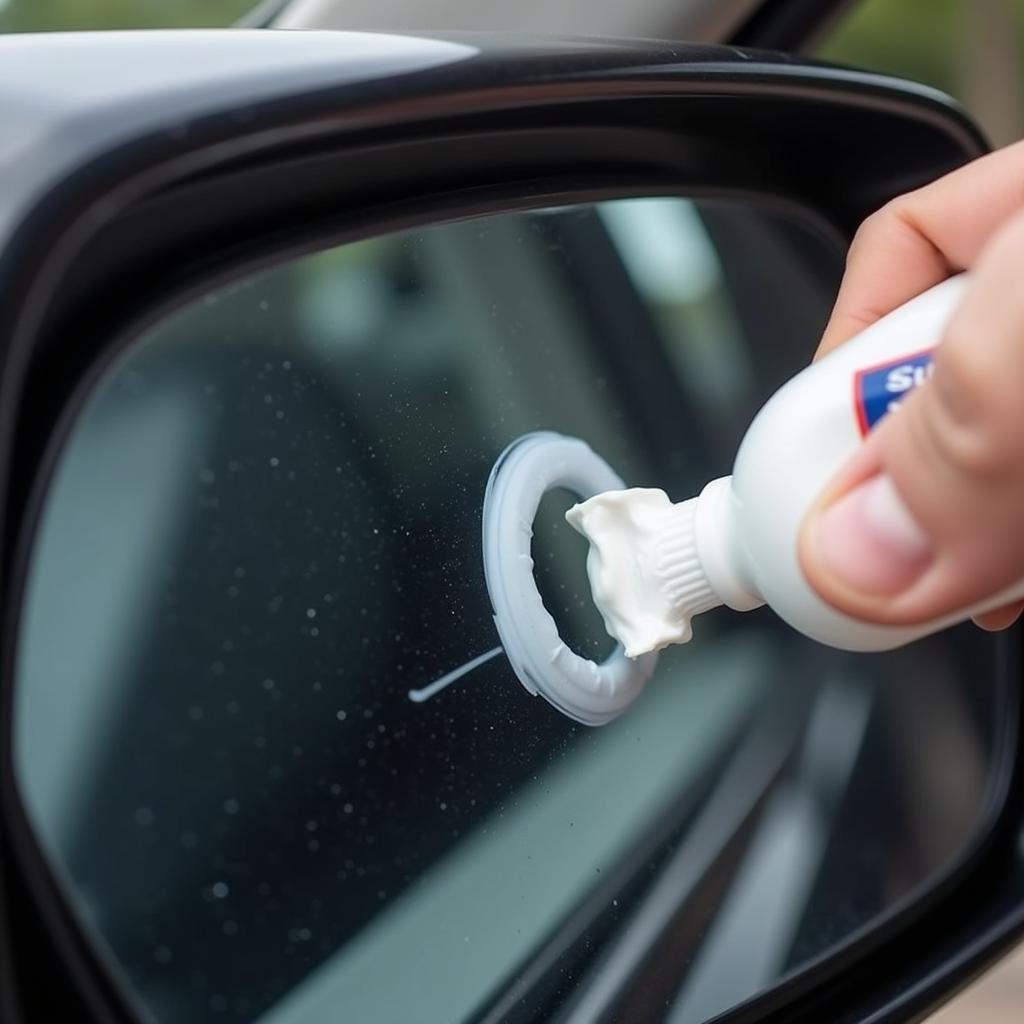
{"x":921,"y":238}
{"x":1001,"y":618}
{"x":928,"y":518}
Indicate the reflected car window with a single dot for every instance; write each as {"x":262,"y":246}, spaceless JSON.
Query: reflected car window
{"x":264,"y":531}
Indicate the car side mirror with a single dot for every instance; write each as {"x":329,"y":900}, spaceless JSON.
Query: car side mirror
{"x":272,"y":305}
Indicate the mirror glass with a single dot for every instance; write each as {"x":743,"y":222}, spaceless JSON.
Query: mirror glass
{"x":263,"y":531}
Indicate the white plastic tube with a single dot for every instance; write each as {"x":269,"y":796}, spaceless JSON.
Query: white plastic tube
{"x":736,"y":543}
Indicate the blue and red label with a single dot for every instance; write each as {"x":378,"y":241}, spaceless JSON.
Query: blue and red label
{"x":878,"y":390}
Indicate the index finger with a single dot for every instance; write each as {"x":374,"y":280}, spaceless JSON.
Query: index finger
{"x":922,"y":238}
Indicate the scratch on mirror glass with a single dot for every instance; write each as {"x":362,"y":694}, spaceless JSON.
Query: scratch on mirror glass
{"x":419,"y":696}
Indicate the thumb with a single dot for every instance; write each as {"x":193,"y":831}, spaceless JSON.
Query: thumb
{"x":928,"y":517}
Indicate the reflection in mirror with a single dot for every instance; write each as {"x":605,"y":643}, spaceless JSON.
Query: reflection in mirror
{"x":264,"y":531}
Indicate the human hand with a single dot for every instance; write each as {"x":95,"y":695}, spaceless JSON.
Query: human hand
{"x":928,"y":517}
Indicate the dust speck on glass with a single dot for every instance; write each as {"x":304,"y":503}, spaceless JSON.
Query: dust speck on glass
{"x":261,"y":549}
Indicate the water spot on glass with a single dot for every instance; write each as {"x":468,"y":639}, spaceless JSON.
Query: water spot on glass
{"x":230,"y":927}
{"x":348,"y":808}
{"x":195,"y":712}
{"x":231,"y":805}
{"x":189,"y":840}
{"x":145,"y":817}
{"x":341,"y":716}
{"x":219,"y":890}
{"x":268,"y":684}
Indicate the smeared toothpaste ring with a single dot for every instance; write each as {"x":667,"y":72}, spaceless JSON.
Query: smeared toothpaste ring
{"x":582,"y":689}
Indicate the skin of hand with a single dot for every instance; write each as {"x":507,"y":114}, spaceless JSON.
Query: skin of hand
{"x":928,"y":516}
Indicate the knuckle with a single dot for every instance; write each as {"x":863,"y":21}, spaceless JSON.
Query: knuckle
{"x":962,"y":369}
{"x":895,"y":215}
{"x":876,"y":225}
{"x":966,"y":418}
{"x":892,"y":229}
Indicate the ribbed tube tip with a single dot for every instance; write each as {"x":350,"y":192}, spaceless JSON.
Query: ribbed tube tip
{"x":645,"y":571}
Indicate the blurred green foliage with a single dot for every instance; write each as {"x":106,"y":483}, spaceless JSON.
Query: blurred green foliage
{"x":972,"y":49}
{"x":51,"y":15}
{"x":910,"y":38}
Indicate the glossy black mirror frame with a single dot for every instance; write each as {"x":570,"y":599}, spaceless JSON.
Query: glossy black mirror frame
{"x":137,"y":222}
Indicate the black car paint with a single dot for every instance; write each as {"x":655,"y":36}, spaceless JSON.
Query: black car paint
{"x":121,"y":197}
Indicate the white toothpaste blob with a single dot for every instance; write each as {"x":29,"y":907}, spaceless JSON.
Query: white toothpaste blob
{"x":645,"y":574}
